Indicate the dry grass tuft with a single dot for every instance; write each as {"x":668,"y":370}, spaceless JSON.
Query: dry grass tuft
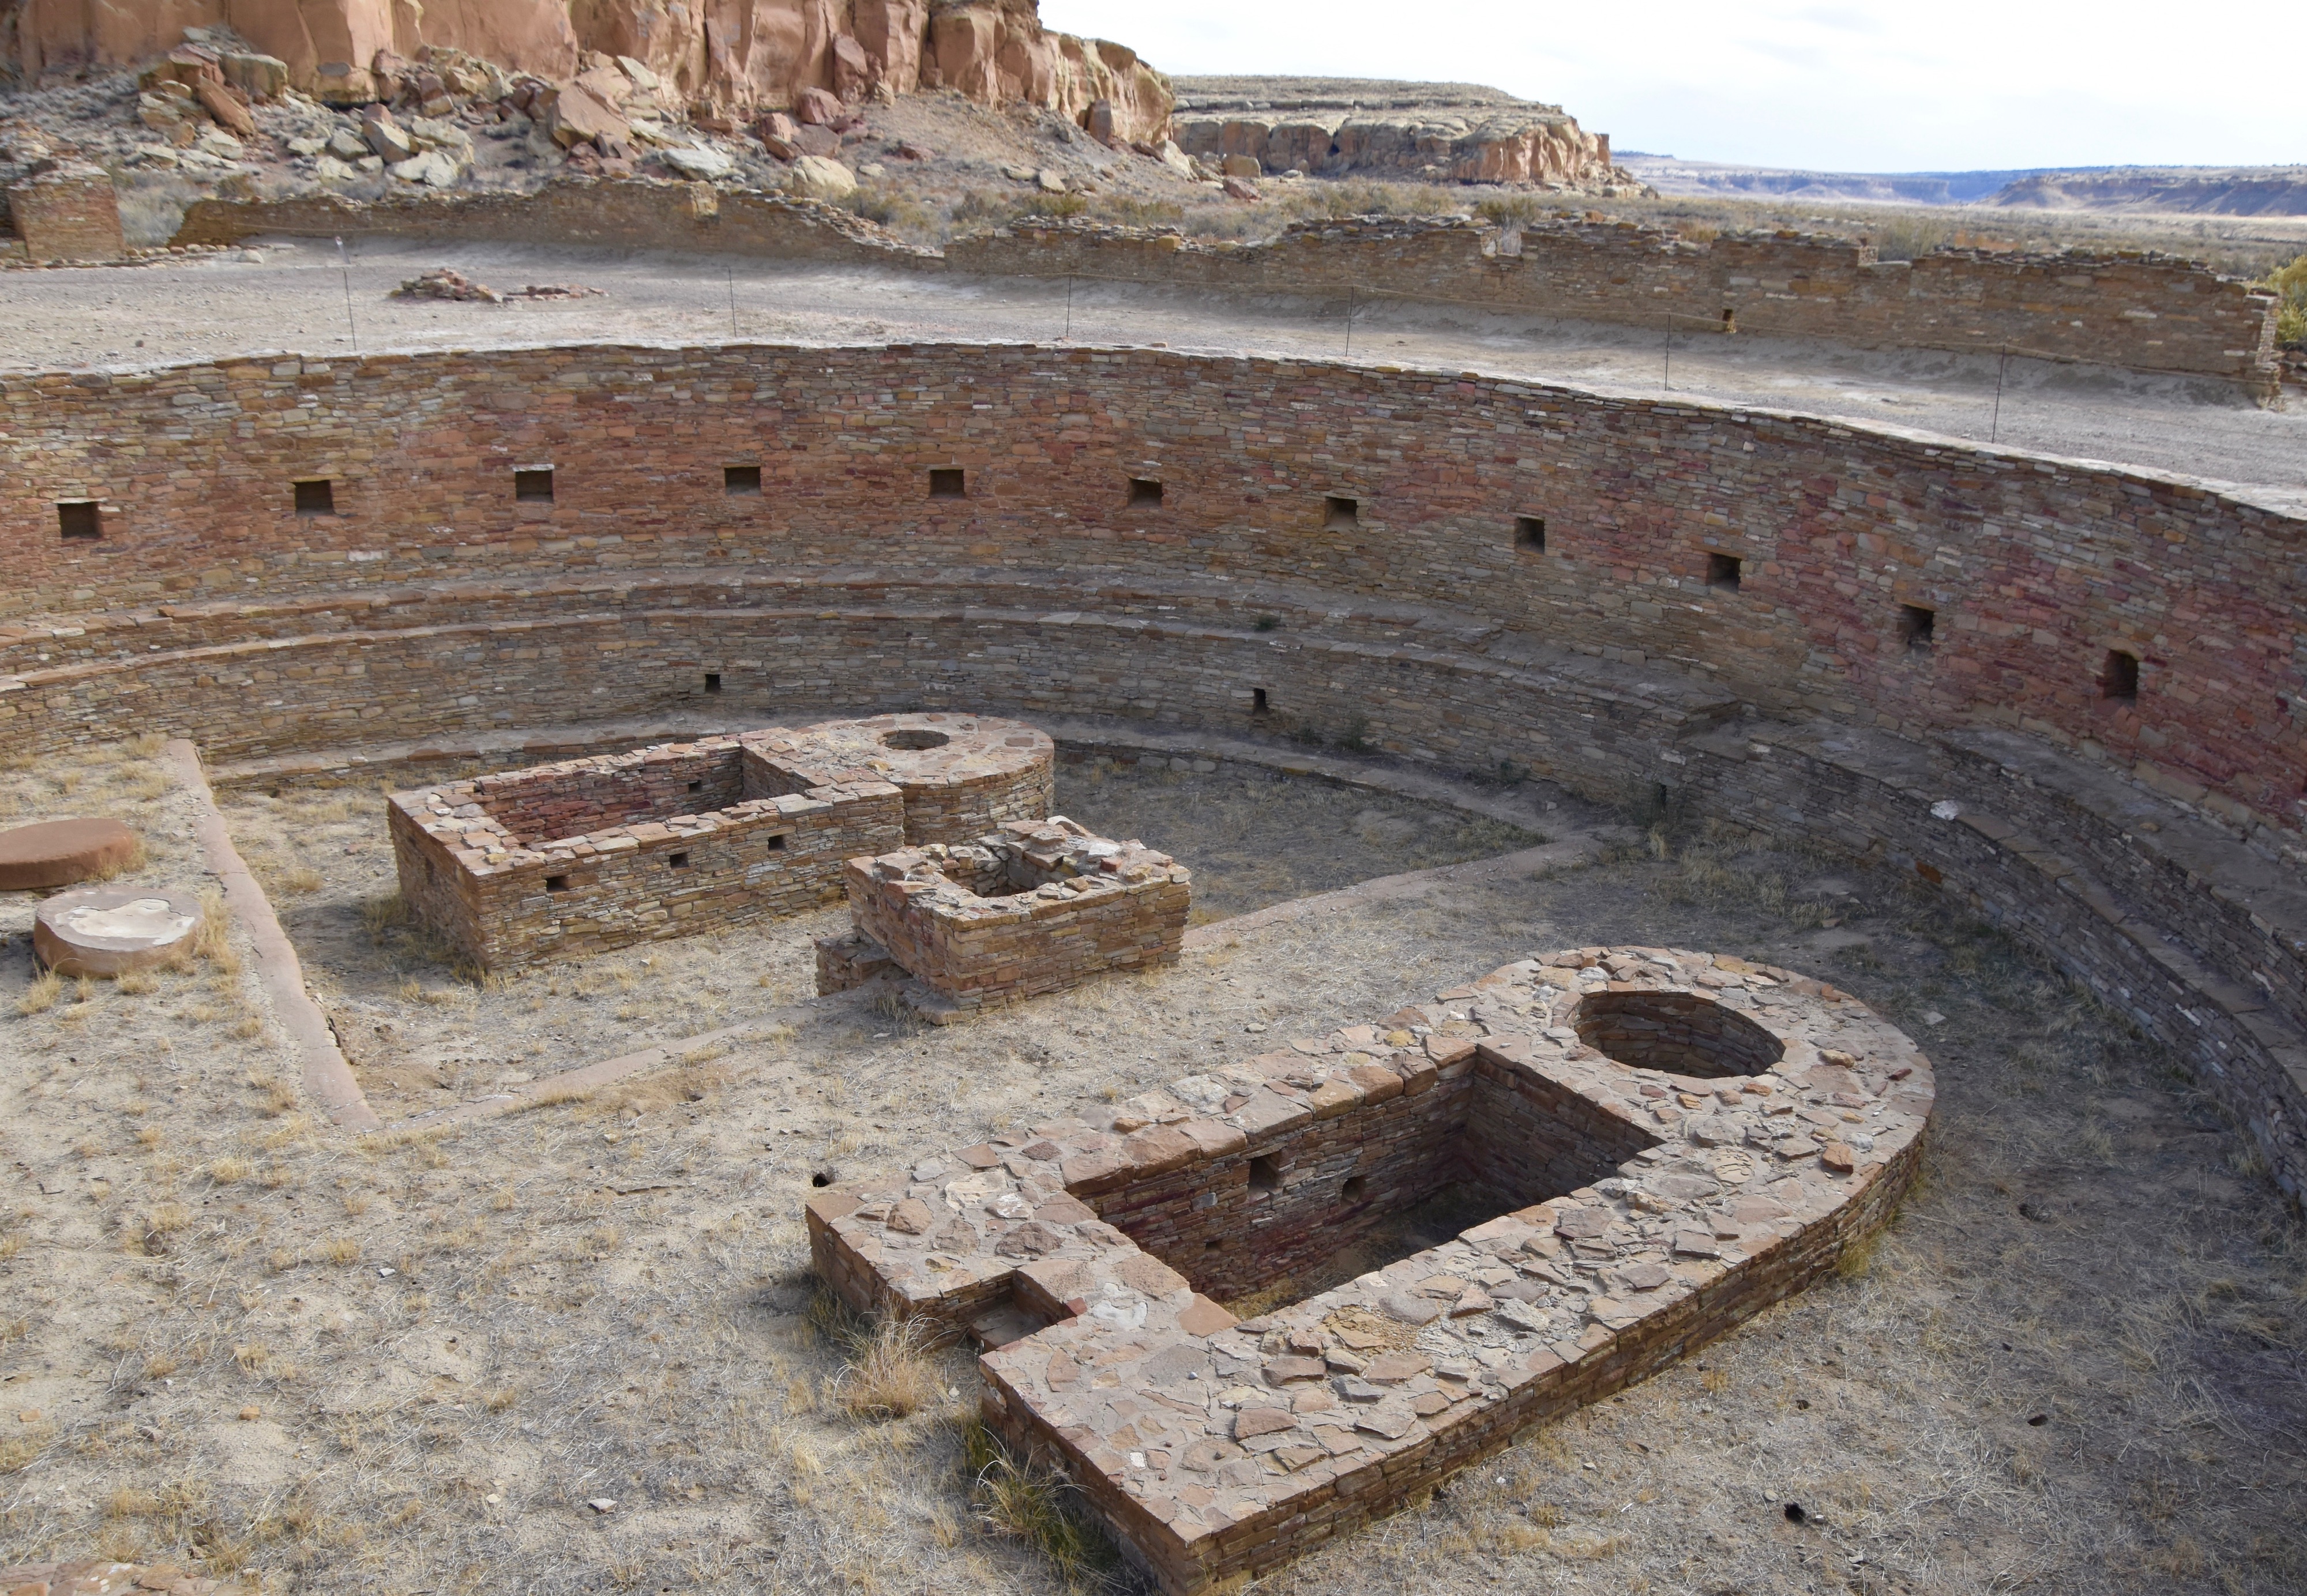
{"x":1036,"y":1504}
{"x":41,"y":995}
{"x":889,"y":1374}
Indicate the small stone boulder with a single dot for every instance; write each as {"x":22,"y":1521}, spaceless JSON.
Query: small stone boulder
{"x":821,"y":177}
{"x":109,"y":931}
{"x":816,"y":106}
{"x":57,"y":853}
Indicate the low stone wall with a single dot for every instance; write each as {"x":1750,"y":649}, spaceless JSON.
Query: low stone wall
{"x":1035,"y":908}
{"x":581,"y":212}
{"x":2127,"y":308}
{"x":686,"y":851}
{"x":1647,"y":1212}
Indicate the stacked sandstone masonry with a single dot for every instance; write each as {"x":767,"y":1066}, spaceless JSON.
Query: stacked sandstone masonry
{"x":534,"y":865}
{"x":2127,"y":309}
{"x":1646,"y":1204}
{"x":566,"y":859}
{"x":1035,"y":908}
{"x":1520,"y":574}
{"x":62,"y":211}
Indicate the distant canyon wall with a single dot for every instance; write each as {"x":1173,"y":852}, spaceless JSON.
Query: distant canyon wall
{"x":1509,"y":147}
{"x":729,"y":53}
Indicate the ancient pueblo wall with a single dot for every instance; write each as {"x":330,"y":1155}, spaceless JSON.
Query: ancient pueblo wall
{"x":2128,"y":308}
{"x":1465,"y":571}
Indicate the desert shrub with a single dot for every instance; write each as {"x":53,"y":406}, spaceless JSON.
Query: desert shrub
{"x":1908,"y":237}
{"x":2290,"y":285}
{"x":1511,"y":210}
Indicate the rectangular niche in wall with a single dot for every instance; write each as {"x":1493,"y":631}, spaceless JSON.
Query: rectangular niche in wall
{"x":1529,"y":533}
{"x":741,"y":482}
{"x":2120,"y":678}
{"x":1145,"y":493}
{"x":1722,"y":571}
{"x":533,"y":485}
{"x":1917,"y":627}
{"x":79,"y":518}
{"x":1340,"y":514}
{"x":316,"y":497}
{"x":948,"y":483}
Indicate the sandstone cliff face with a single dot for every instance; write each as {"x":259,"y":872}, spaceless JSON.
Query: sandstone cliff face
{"x":736,"y":53}
{"x":1507,"y":148}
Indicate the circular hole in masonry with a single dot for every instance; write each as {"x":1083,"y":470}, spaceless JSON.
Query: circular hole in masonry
{"x":915,"y":741}
{"x":1678,"y":1032}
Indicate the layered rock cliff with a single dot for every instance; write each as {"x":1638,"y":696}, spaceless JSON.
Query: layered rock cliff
{"x":1441,"y":133}
{"x":729,"y":54}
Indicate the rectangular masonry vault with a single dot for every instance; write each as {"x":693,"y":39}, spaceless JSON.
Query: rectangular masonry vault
{"x":1666,"y":1142}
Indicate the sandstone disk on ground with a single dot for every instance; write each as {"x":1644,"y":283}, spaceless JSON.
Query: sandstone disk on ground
{"x":109,"y":931}
{"x":57,"y":853}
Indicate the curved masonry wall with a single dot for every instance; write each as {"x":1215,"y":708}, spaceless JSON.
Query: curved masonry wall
{"x":1520,"y":574}
{"x":2121,"y":308}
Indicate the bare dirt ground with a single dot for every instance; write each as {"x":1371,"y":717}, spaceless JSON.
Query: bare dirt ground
{"x":421,"y":1035}
{"x":293,"y":297}
{"x":409,"y":1363}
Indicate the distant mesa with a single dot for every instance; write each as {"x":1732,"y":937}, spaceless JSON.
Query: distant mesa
{"x":2223,"y":191}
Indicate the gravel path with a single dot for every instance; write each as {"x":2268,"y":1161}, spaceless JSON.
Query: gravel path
{"x":293,"y":297}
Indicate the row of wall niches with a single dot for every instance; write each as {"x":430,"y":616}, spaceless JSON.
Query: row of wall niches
{"x":81,"y":520}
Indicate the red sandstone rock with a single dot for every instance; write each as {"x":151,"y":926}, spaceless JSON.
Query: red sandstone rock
{"x":816,"y":106}
{"x":57,"y":853}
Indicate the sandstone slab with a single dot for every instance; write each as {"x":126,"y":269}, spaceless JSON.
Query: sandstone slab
{"x":109,"y":931}
{"x":57,"y":853}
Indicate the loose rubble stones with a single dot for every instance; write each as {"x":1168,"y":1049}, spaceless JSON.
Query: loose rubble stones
{"x":57,"y":853}
{"x":1035,"y":908}
{"x":559,"y":861}
{"x":109,"y":931}
{"x":1641,"y":1211}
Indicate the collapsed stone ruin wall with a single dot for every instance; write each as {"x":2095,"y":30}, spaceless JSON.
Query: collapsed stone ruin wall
{"x":2125,"y":309}
{"x":1581,"y":588}
{"x":67,"y":212}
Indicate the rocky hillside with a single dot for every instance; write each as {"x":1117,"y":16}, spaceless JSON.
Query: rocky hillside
{"x":747,"y":54}
{"x":1440,"y":133}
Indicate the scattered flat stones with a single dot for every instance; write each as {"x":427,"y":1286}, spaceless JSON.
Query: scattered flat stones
{"x":57,"y":853}
{"x":109,"y":931}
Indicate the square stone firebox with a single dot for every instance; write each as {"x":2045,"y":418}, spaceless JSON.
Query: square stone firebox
{"x":1035,"y":908}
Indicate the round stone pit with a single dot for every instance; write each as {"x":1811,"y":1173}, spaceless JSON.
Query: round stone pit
{"x":57,"y":853}
{"x":109,"y":931}
{"x":961,"y":775}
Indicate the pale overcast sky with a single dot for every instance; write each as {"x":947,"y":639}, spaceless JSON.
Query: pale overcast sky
{"x":1858,"y":86}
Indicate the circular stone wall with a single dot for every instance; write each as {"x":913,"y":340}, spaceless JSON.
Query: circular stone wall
{"x":109,"y":931}
{"x":961,"y":775}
